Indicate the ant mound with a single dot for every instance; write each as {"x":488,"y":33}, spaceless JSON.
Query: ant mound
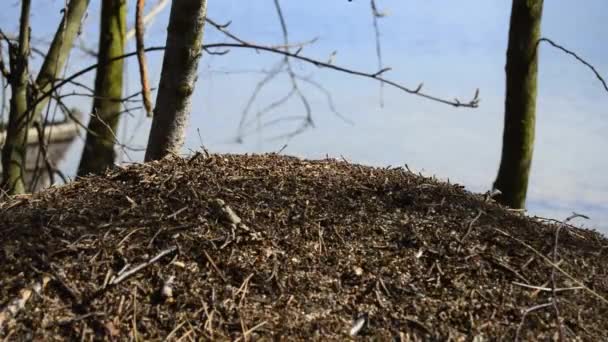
{"x":241,"y":247}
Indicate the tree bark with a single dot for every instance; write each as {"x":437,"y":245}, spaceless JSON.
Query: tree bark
{"x":15,"y":150}
{"x":520,"y":102}
{"x":60,"y":48}
{"x":178,"y":77}
{"x":98,"y":153}
{"x":19,"y":121}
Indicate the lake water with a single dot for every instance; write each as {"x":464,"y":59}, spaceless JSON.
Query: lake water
{"x":452,"y":48}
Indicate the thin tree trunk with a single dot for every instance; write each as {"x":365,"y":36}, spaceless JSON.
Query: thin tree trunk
{"x":15,"y":147}
{"x":15,"y":150}
{"x":60,"y":48}
{"x":520,"y":102}
{"x":98,"y":153}
{"x":178,"y":77}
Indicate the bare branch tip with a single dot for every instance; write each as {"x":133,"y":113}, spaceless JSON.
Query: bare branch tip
{"x":382,"y":71}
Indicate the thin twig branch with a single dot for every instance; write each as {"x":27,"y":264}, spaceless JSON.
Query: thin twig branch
{"x":131,"y":271}
{"x":558,"y":316}
{"x":292,"y":76}
{"x":147,"y":20}
{"x":141,"y":57}
{"x":525,"y":314}
{"x":473,"y":103}
{"x":223,"y":28}
{"x":569,"y":52}
{"x":154,"y":11}
{"x":375,"y":16}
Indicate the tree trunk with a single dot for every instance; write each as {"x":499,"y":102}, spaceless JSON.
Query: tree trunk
{"x":520,"y":102}
{"x":98,"y":153}
{"x":15,"y":150}
{"x":179,"y":72}
{"x":19,"y":121}
{"x":60,"y":48}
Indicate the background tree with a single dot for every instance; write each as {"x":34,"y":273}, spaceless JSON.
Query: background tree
{"x":520,"y":102}
{"x":183,"y":50}
{"x":98,"y":153}
{"x":60,"y":48}
{"x":14,"y":153}
{"x":178,"y":76}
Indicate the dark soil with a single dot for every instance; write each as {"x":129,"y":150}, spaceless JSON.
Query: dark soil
{"x":323,"y":249}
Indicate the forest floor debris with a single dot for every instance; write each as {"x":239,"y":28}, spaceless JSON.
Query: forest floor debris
{"x":249,"y":247}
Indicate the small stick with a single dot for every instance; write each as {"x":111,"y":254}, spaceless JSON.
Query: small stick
{"x":17,"y":304}
{"x":127,"y":273}
{"x":471,"y":223}
{"x":542,"y":288}
{"x":215,"y":267}
{"x":77,"y":318}
{"x":525,"y":313}
{"x":141,"y":57}
{"x":249,"y":331}
{"x":555,"y":265}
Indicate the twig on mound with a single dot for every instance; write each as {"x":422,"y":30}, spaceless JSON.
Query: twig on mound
{"x":561,"y":332}
{"x":219,"y":272}
{"x":558,"y":316}
{"x":525,"y":314}
{"x":129,"y":272}
{"x":553,"y":289}
{"x":471,"y":223}
{"x":554,"y":265}
{"x":174,"y":331}
{"x":246,"y":334}
{"x":18,"y":303}
{"x":77,"y":318}
{"x":547,"y":289}
{"x":243,"y":289}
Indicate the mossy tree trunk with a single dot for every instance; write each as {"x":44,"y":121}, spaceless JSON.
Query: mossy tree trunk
{"x":15,"y":150}
{"x":98,"y":153}
{"x":178,"y":77}
{"x":520,"y":102}
{"x":19,"y":120}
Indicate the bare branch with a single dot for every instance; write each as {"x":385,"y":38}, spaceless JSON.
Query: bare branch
{"x":329,"y":98}
{"x":292,"y":77}
{"x":5,"y":76}
{"x":76,"y":117}
{"x":141,"y":57}
{"x":126,"y":99}
{"x":270,"y":75}
{"x":276,"y":104}
{"x":375,"y":16}
{"x":3,"y":69}
{"x":474,"y":103}
{"x":148,"y":18}
{"x":224,"y":29}
{"x":569,"y":52}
